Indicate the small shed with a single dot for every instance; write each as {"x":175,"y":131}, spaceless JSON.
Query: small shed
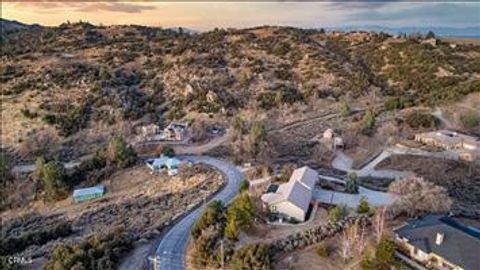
{"x":87,"y":194}
{"x":328,"y":134}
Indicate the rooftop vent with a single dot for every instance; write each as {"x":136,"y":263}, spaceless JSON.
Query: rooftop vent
{"x":439,"y":238}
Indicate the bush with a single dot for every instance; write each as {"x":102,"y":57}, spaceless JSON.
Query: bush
{"x":281,"y":48}
{"x":421,"y":120}
{"x":363,"y":206}
{"x":13,"y":244}
{"x":351,"y":186}
{"x":243,"y":186}
{"x":470,"y":120}
{"x":338,"y":212}
{"x":368,"y":122}
{"x":102,"y":251}
{"x":252,"y":257}
{"x":168,"y":151}
{"x":394,"y":103}
{"x":345,"y":109}
{"x":324,"y":250}
{"x":51,"y":175}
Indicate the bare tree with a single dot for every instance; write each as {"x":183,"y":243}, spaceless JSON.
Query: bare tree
{"x":352,"y":240}
{"x":416,"y":196}
{"x":379,"y":223}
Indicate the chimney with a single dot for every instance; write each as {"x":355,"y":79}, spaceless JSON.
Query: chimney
{"x":439,"y":238}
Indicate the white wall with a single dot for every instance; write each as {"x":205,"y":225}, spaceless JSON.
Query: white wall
{"x":290,"y":210}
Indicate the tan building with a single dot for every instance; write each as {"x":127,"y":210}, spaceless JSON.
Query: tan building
{"x":175,"y":131}
{"x":292,"y":199}
{"x":440,"y":242}
{"x":467,"y":147}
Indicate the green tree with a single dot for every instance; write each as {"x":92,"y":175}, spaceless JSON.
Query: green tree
{"x":168,"y":151}
{"x":351,"y":186}
{"x":281,"y":48}
{"x":384,"y":254}
{"x":430,"y":35}
{"x":5,"y":168}
{"x":212,"y":214}
{"x":252,"y":257}
{"x":238,"y":124}
{"x":243,"y":186}
{"x":363,"y":206}
{"x":393,"y":103}
{"x":240,"y":214}
{"x":51,"y":176}
{"x":368,"y":122}
{"x":258,"y":132}
{"x":338,"y":212}
{"x":118,"y":152}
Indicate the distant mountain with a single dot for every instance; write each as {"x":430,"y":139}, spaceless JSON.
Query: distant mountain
{"x":439,"y":31}
{"x":8,"y":26}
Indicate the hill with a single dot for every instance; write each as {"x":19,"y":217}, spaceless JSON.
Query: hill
{"x":75,"y":84}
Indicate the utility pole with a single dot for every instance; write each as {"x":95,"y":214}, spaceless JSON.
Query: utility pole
{"x":221,"y":251}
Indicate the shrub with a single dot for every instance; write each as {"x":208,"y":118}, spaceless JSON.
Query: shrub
{"x":243,"y":186}
{"x":394,"y":103}
{"x":418,"y":119}
{"x":470,"y":120}
{"x":351,"y":186}
{"x":281,"y":48}
{"x":363,"y":206}
{"x":368,"y":122}
{"x":338,"y":212}
{"x":345,"y":109}
{"x":101,"y":251}
{"x":14,"y":244}
{"x":324,"y":250}
{"x":168,"y":151}
{"x":253,"y":257}
{"x":51,"y":175}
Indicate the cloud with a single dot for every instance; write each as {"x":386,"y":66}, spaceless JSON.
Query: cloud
{"x":426,"y":13}
{"x":43,"y":6}
{"x":115,"y":7}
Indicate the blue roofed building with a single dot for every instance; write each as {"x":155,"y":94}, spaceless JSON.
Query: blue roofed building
{"x":87,"y":194}
{"x":171,"y":164}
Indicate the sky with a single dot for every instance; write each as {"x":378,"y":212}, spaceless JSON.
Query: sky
{"x":207,"y":15}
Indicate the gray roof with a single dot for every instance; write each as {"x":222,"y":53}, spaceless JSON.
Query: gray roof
{"x":460,"y":246}
{"x":298,"y":190}
{"x":306,"y":176}
{"x":89,"y":190}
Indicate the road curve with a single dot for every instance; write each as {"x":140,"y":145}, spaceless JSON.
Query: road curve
{"x":171,"y":249}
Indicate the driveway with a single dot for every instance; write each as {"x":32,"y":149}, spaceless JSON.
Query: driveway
{"x":171,"y":250}
{"x":375,"y":198}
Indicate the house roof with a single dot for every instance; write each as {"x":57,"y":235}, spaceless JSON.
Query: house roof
{"x":89,"y":191}
{"x":164,"y":161}
{"x":460,"y":246}
{"x":306,"y":176}
{"x":298,"y":190}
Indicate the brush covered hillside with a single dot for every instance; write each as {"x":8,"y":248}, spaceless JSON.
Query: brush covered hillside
{"x":69,"y":87}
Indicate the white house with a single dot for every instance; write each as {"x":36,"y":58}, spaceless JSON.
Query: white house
{"x":292,"y":199}
{"x":164,"y":162}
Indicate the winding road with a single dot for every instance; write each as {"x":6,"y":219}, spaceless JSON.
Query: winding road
{"x":172,"y":248}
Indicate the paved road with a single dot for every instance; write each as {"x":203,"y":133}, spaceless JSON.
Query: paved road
{"x":172,"y":248}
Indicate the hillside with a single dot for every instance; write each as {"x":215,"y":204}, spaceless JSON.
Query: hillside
{"x":72,"y":86}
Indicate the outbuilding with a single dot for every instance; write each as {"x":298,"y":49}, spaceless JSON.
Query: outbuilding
{"x":88,"y":194}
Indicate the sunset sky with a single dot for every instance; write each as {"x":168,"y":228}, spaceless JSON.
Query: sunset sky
{"x":205,"y":15}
